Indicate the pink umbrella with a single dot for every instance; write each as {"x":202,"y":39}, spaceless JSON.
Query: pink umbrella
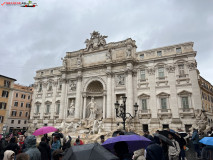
{"x":44,"y":130}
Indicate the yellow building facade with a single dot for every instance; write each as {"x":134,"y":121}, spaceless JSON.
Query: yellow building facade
{"x":207,"y":98}
{"x":6,"y":87}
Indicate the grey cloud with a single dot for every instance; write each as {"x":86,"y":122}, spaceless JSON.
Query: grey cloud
{"x":34,"y":38}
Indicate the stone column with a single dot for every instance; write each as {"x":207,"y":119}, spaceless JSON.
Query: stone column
{"x":85,"y":105}
{"x":104,"y":105}
{"x":62,"y":104}
{"x":109,"y":95}
{"x":78,"y":96}
{"x":43,"y":106}
{"x":129,"y":91}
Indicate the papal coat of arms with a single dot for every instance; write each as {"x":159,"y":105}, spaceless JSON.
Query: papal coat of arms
{"x":96,"y":41}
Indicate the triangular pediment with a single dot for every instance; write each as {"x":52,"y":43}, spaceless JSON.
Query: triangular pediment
{"x":58,"y":101}
{"x":37,"y":102}
{"x":47,"y":102}
{"x":184,"y":92}
{"x":144,"y":95}
{"x":163,"y":94}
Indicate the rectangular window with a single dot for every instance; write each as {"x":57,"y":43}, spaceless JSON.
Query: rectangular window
{"x":47,"y":108}
{"x":37,"y":108}
{"x":28,"y":105}
{"x":40,"y":87}
{"x":181,"y":70}
{"x":6,"y":83}
{"x":1,"y":119}
{"x":58,"y":108}
{"x":178,"y":50}
{"x":20,"y":114}
{"x":16,"y":95}
{"x":159,"y":53}
{"x":23,"y":96}
{"x":165,"y":126}
{"x":25,"y":122}
{"x":185,"y":102}
{"x":3,"y":105}
{"x":13,"y":113}
{"x":50,"y":87}
{"x":161,"y":72}
{"x":145,"y":127}
{"x":163,"y":103}
{"x":28,"y":97}
{"x":60,"y":86}
{"x":12,"y":121}
{"x":16,"y":104}
{"x":22,"y":104}
{"x":143,"y":75}
{"x":5,"y":93}
{"x":51,"y":71}
{"x":19,"y":121}
{"x":142,"y":56}
{"x":26,"y":114}
{"x":144,"y":104}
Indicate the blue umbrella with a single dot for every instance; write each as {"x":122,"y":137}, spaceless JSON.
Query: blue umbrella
{"x":134,"y":142}
{"x":207,"y":141}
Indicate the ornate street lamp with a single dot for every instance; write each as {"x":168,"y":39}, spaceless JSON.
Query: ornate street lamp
{"x":121,"y":111}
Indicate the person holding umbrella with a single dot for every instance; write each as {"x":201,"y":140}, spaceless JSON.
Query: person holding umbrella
{"x":182,"y":143}
{"x":195,"y":141}
{"x":122,"y":151}
{"x":173,"y":151}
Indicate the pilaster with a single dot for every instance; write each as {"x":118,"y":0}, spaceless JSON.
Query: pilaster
{"x":78,"y":95}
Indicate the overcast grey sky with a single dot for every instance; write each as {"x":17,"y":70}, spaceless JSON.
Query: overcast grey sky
{"x":37,"y":38}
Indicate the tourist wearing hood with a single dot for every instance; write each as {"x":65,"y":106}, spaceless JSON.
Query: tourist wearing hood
{"x":9,"y":155}
{"x":31,"y":148}
{"x":13,"y":145}
{"x":66,"y":143}
{"x":44,"y":148}
{"x":154,"y":152}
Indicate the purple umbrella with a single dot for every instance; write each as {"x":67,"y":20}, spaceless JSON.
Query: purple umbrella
{"x":44,"y":130}
{"x":134,"y":142}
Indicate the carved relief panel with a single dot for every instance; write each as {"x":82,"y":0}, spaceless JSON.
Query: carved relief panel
{"x":120,"y":80}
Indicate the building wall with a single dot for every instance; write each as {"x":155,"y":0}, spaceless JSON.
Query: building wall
{"x":21,"y":102}
{"x":7,"y":100}
{"x":116,"y":70}
{"x":207,"y":98}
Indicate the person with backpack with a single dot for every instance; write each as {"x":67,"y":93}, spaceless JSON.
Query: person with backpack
{"x":173,"y":151}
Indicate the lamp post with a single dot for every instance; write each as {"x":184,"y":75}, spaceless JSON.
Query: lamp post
{"x":121,"y":111}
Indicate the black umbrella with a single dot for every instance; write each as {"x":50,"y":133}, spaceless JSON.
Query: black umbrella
{"x":89,"y":152}
{"x":166,"y":133}
{"x":183,"y":134}
{"x":163,"y":138}
{"x":123,"y":133}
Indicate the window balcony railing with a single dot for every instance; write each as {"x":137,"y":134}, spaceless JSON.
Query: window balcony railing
{"x":184,"y":112}
{"x":164,"y":113}
{"x":144,"y":114}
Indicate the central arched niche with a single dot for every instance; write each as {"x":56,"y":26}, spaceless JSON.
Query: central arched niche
{"x":95,"y":89}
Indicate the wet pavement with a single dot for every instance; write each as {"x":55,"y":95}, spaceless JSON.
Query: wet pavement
{"x":190,"y":154}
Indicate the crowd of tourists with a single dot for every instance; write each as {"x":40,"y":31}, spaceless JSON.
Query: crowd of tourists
{"x":173,"y":147}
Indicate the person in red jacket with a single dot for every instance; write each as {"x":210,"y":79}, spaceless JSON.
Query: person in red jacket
{"x":78,"y":142}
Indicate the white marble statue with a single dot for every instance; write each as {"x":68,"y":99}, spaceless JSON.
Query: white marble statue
{"x":95,"y":126}
{"x":100,"y":127}
{"x":71,"y":109}
{"x":92,"y":108}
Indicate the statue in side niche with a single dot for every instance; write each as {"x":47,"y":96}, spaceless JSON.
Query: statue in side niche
{"x":92,"y":109}
{"x":71,"y":109}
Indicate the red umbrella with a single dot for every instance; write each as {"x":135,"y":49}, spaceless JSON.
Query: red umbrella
{"x":44,"y":130}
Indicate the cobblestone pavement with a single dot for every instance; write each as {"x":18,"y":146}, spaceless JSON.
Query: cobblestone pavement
{"x":190,"y":154}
